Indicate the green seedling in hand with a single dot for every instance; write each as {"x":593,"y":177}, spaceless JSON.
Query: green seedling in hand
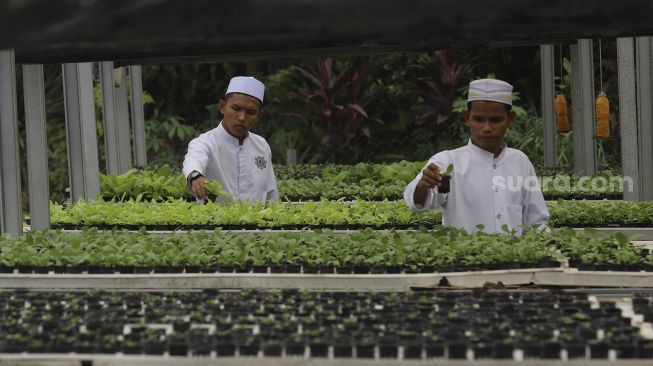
{"x":215,"y":190}
{"x":445,"y":187}
{"x":449,"y":171}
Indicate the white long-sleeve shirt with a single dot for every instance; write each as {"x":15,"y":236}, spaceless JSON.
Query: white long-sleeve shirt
{"x":485,"y":190}
{"x":245,"y":171}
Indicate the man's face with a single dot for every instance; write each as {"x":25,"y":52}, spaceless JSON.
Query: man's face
{"x":241,"y":112}
{"x":488,"y":122}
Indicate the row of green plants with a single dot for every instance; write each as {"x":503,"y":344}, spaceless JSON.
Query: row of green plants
{"x":619,"y":251}
{"x":404,"y":169}
{"x":323,"y":213}
{"x":440,"y":248}
{"x":259,"y":215}
{"x":365,"y":181}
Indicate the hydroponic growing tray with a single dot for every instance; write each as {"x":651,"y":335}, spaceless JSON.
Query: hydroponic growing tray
{"x":237,"y":327}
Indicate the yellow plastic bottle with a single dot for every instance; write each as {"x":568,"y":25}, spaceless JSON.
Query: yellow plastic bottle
{"x":602,"y":116}
{"x":561,"y":114}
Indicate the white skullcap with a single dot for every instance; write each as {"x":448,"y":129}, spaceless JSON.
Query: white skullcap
{"x":246,"y":85}
{"x":490,"y":89}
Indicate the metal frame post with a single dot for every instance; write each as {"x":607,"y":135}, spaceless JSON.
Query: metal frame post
{"x":111,"y":145}
{"x":576,"y":124}
{"x":83,"y":164}
{"x":644,"y":115}
{"x":37,"y":147}
{"x":138,"y":116}
{"x":586,"y":66}
{"x":122,"y":119}
{"x":10,"y":191}
{"x":548,"y":108}
{"x":628,"y":117}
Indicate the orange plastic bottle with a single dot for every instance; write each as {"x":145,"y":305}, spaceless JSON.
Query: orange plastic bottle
{"x":561,"y":114}
{"x":602,"y":116}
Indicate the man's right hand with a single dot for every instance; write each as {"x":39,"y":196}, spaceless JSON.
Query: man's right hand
{"x":198,"y":189}
{"x":431,"y":177}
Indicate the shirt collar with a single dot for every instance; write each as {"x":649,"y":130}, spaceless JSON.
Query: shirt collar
{"x":226,"y":137}
{"x":486,"y":155}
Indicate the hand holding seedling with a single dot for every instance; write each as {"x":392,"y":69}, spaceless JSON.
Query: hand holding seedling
{"x":198,"y":188}
{"x":431,"y":177}
{"x":203,"y":188}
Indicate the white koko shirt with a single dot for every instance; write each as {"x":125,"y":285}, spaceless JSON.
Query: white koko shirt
{"x":245,"y":171}
{"x":485,"y":190}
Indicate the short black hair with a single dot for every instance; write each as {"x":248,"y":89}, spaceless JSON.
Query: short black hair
{"x":508,"y":106}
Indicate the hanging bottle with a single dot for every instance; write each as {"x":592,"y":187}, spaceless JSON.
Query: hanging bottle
{"x":602,"y":116}
{"x":562,"y":118}
{"x":562,"y":114}
{"x":602,"y":106}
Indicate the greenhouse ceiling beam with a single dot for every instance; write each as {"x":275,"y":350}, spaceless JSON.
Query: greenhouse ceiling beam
{"x":548,"y":111}
{"x":37,"y":147}
{"x":83,"y":165}
{"x":10,"y":189}
{"x":129,"y":30}
{"x":645,"y":115}
{"x":138,"y":116}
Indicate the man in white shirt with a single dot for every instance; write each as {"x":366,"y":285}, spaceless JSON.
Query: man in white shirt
{"x":491,"y":185}
{"x":240,"y":160}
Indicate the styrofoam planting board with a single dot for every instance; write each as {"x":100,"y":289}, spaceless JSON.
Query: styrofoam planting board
{"x":389,"y":282}
{"x":574,"y":277}
{"x":361,"y":282}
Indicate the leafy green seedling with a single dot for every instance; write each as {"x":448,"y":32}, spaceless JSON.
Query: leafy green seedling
{"x":215,"y":189}
{"x":445,"y":187}
{"x":449,"y":171}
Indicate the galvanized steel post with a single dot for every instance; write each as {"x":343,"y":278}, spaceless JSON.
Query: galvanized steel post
{"x":628,"y":117}
{"x":123,"y":133}
{"x":548,"y":109}
{"x":83,"y":164}
{"x":111,"y":145}
{"x":37,"y":147}
{"x":644,"y":116}
{"x":577,"y":134}
{"x":11,"y":217}
{"x":138,"y":116}
{"x":586,"y":66}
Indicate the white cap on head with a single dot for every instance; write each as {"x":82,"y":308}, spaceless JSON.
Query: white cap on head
{"x":246,"y":85}
{"x":493,"y":90}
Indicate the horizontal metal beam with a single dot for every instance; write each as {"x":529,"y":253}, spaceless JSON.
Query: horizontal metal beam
{"x":79,"y":30}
